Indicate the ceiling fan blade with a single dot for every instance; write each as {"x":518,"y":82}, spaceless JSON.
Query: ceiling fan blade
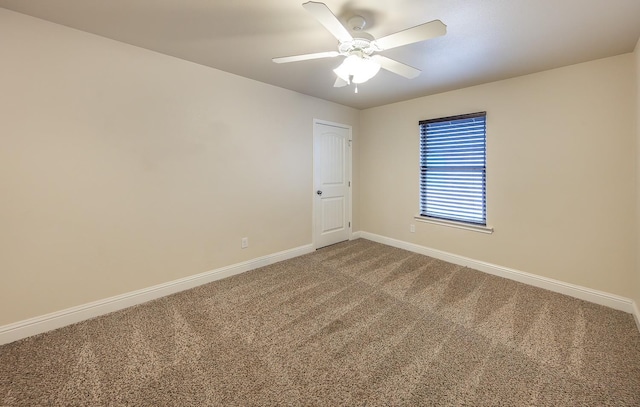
{"x":418,"y":33}
{"x":295,"y":58}
{"x":340,"y":83}
{"x":396,"y":67}
{"x":322,"y":13}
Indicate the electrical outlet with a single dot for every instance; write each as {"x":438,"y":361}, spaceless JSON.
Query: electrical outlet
{"x":244,"y":243}
{"x":412,"y":228}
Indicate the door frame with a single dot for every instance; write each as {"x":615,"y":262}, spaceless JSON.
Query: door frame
{"x":349,"y":158}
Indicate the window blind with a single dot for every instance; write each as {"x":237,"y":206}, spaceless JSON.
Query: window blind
{"x":453,"y":168}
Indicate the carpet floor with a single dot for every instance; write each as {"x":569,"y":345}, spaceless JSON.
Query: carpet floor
{"x":354,"y":324}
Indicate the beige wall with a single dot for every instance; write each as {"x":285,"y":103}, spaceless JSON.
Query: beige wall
{"x":121,"y":168}
{"x":561,"y":161}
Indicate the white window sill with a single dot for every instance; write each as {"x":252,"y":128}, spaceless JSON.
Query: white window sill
{"x":452,"y":224}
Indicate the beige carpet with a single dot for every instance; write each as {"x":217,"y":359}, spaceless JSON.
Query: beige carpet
{"x":353,"y":324}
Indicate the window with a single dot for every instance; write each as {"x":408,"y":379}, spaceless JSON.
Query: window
{"x":453,"y":168}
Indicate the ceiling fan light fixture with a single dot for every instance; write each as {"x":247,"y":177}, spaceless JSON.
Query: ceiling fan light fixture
{"x":357,"y":69}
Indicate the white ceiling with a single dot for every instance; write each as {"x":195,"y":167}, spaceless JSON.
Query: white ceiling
{"x":486,"y":40}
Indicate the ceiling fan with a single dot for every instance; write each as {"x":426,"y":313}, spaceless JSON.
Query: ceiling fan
{"x":360,"y":63}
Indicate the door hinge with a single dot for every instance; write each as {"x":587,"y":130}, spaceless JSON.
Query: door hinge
{"x":349,"y":183}
{"x":349,"y":224}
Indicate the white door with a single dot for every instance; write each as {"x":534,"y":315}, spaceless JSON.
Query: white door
{"x":332,"y":183}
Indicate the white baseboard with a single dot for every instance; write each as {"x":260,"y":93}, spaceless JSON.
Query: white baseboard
{"x":636,"y":314}
{"x":572,"y":290}
{"x":33,"y":326}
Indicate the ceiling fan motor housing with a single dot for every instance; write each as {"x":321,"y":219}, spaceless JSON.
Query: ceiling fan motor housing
{"x":362,"y":46}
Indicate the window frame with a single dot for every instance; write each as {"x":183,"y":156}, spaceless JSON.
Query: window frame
{"x":475,"y":168}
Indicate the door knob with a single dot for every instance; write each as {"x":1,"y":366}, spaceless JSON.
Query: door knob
{"x":319,"y":192}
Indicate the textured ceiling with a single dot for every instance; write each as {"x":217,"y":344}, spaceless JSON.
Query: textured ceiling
{"x":486,"y":40}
